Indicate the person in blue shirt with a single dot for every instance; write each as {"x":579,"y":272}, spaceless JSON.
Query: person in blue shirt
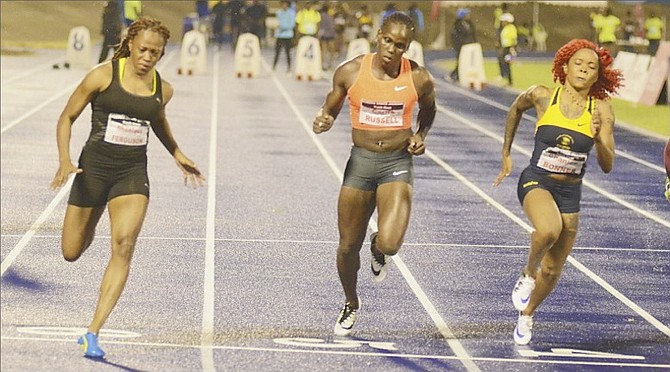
{"x":417,"y":16}
{"x":284,"y":33}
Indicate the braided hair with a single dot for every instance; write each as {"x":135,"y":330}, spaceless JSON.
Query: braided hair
{"x":142,"y":24}
{"x":401,"y":18}
{"x":609,"y":80}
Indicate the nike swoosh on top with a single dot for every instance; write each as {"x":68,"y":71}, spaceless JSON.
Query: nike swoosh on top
{"x":398,"y":89}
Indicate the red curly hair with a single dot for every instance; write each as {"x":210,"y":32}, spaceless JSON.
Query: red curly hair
{"x":609,"y":80}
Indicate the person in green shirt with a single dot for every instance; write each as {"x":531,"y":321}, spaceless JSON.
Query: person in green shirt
{"x":653,"y":28}
{"x":507,"y":49}
{"x":607,"y":27}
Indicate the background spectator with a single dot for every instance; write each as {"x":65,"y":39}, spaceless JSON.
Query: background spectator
{"x":508,"y":42}
{"x":462,"y":33}
{"x":219,"y":22}
{"x":308,"y":19}
{"x":235,"y":11}
{"x":326,"y":36}
{"x":132,"y":10}
{"x":607,"y":27}
{"x":653,"y":28}
{"x":365,"y":22}
{"x":417,"y":16}
{"x":255,"y":14}
{"x":285,"y":34}
{"x":111,"y":29}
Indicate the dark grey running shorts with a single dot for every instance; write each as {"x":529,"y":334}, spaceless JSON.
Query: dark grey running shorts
{"x":103,"y":179}
{"x":367,"y":169}
{"x":566,"y":196}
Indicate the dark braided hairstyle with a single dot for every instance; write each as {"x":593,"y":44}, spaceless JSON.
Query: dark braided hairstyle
{"x":142,"y":24}
{"x":399,"y":17}
{"x":609,"y":80}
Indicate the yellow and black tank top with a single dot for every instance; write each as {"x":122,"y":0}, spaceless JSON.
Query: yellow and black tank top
{"x":121,"y":120}
{"x":562,"y":145}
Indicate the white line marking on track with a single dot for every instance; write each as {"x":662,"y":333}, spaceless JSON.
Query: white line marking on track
{"x":586,"y":183}
{"x":13,"y":254}
{"x":207,"y":337}
{"x":296,"y":241}
{"x":626,"y":301}
{"x":532,"y":118}
{"x":30,"y":72}
{"x":18,"y":248}
{"x":451,"y":340}
{"x":527,"y":362}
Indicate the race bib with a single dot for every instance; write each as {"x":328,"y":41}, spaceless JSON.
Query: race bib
{"x":558,"y":160}
{"x":127,"y":131}
{"x":381,"y":114}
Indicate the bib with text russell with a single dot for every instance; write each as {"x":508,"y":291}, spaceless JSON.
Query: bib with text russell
{"x":127,"y":131}
{"x":388,"y":114}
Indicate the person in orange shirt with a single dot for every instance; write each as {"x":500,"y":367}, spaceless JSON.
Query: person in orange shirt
{"x":382,"y":89}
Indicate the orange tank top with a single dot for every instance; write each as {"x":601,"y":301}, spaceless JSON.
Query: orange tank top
{"x":382,"y":104}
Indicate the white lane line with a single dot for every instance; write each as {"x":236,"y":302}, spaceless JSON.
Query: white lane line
{"x":18,"y":248}
{"x":207,"y":337}
{"x":32,"y":71}
{"x":586,"y":183}
{"x":321,"y":242}
{"x":532,"y":118}
{"x":526,"y":361}
{"x":452,"y":341}
{"x":37,"y":108}
{"x":625,"y":300}
{"x":68,"y":89}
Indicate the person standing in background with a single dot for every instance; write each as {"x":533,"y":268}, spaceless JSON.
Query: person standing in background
{"x":507,"y":49}
{"x":666,"y":161}
{"x":462,"y":33}
{"x":111,"y":29}
{"x":132,"y":11}
{"x":308,"y":20}
{"x":219,"y":22}
{"x":497,"y":12}
{"x":285,"y":34}
{"x":365,"y":22}
{"x":417,"y":17}
{"x":607,"y":27}
{"x":653,"y":31}
{"x":255,"y":14}
{"x":326,"y":36}
{"x":235,"y":11}
{"x":341,"y":19}
{"x":629,"y":31}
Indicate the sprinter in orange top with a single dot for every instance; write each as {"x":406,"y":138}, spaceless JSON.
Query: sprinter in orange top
{"x":383,"y":89}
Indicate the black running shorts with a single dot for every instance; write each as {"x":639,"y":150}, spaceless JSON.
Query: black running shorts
{"x":566,"y":196}
{"x":103,"y":179}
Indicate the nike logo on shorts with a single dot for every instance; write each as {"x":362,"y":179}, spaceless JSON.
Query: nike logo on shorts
{"x":397,"y":173}
{"x":399,"y":88}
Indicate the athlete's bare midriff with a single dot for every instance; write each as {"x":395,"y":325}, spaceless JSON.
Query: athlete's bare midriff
{"x":381,"y":140}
